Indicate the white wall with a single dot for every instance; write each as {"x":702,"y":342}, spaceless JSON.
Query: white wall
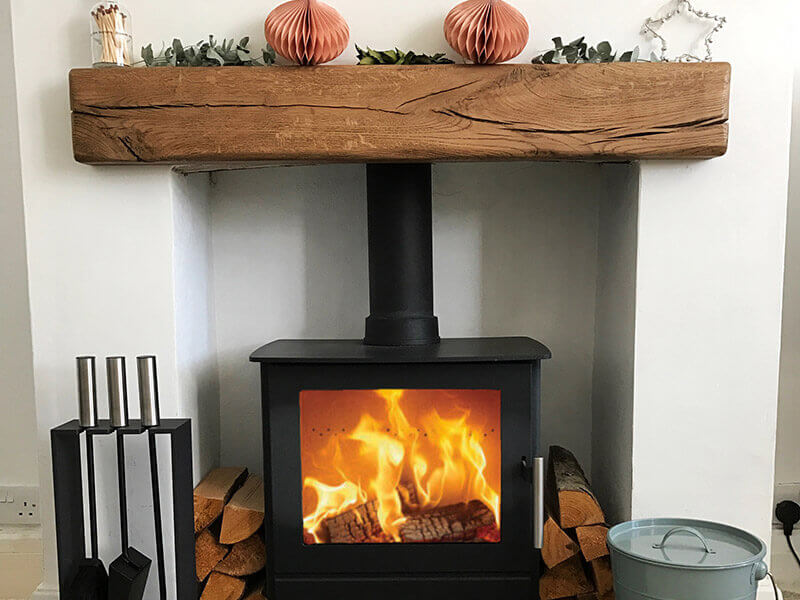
{"x":708,"y":304}
{"x":787,"y":460}
{"x":514,"y":252}
{"x":17,"y":433}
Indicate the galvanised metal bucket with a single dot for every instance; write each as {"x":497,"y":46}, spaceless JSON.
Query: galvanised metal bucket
{"x":684,"y":559}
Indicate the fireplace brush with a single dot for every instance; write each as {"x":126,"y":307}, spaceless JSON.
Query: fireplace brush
{"x":91,"y":580}
{"x":128,"y":573}
{"x":149,"y":409}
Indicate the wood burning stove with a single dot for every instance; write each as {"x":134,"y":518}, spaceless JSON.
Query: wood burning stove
{"x":402,"y":466}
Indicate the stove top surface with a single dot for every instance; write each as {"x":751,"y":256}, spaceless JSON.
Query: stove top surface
{"x":454,"y":350}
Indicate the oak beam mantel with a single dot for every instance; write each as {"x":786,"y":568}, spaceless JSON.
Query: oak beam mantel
{"x":233,"y":117}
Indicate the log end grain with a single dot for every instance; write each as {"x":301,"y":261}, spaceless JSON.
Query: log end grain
{"x":245,"y":558}
{"x":208,"y":553}
{"x":223,"y":587}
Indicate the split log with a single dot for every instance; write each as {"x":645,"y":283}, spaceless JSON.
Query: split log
{"x":592,"y":540}
{"x":558,"y":546}
{"x":255,"y":588}
{"x":211,"y":494}
{"x":453,"y":523}
{"x":223,"y":587}
{"x":208,"y":553}
{"x":256,"y":595}
{"x":570,"y":497}
{"x":602,"y":576}
{"x":564,"y":581}
{"x":244,"y":513}
{"x":245,"y":558}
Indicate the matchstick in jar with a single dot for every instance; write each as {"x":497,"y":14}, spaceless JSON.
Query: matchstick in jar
{"x":111,"y":35}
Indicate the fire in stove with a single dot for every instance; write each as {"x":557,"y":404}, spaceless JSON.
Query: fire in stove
{"x":400,"y":466}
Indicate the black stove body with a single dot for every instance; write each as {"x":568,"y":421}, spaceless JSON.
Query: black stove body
{"x":402,"y":352}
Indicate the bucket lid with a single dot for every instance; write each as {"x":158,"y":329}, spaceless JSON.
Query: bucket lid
{"x":686,"y":543}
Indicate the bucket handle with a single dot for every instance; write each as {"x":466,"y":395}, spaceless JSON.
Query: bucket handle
{"x":690,"y":530}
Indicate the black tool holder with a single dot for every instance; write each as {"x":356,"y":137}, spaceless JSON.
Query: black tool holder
{"x":68,"y":492}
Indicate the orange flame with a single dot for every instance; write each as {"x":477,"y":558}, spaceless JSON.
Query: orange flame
{"x":441,"y":459}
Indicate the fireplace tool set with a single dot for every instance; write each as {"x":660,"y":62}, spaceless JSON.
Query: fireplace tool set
{"x":83,"y":578}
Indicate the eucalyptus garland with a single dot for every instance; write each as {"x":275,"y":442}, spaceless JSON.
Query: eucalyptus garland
{"x":580,"y":52}
{"x":398,"y":57}
{"x":207,"y":53}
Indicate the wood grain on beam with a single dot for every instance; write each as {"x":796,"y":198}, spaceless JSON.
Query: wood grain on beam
{"x":240,"y":115}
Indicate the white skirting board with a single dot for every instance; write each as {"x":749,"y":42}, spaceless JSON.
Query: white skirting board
{"x":765,"y":591}
{"x":45,"y":593}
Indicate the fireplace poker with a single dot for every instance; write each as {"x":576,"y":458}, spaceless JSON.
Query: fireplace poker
{"x":149,"y":410}
{"x":91,"y":580}
{"x":128,"y":573}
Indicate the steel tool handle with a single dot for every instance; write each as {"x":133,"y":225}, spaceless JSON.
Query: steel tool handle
{"x":537,"y":476}
{"x":87,"y":391}
{"x":117,"y":391}
{"x":538,"y":502}
{"x":148,"y":391}
{"x":689,"y":530}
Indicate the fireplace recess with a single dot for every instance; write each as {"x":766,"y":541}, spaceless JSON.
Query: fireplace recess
{"x":402,"y":465}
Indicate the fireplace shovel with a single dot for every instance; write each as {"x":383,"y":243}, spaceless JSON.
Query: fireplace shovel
{"x":91,"y":580}
{"x":127,"y":575}
{"x":148,"y":404}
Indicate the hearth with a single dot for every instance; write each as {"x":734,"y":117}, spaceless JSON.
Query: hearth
{"x":402,"y":466}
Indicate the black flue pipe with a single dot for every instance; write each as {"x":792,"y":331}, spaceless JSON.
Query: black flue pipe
{"x":400,"y":256}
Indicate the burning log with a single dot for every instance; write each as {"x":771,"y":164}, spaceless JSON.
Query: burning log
{"x":453,"y":523}
{"x":359,"y":525}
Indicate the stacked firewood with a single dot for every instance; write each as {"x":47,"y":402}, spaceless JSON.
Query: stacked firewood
{"x":575,"y":555}
{"x":229,"y":539}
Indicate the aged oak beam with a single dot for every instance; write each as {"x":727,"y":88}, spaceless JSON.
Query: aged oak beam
{"x":240,"y":116}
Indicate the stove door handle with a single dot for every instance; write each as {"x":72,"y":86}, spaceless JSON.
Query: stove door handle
{"x":538,"y":502}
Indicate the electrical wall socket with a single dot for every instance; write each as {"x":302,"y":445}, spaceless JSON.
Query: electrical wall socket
{"x":785,"y":491}
{"x":19,"y":505}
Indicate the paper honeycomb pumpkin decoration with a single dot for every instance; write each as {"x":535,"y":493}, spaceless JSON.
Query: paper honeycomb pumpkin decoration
{"x":307,"y":32}
{"x":486,"y":31}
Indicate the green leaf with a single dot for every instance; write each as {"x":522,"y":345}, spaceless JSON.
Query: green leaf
{"x":557,"y":42}
{"x":604,"y":48}
{"x":626,"y":56}
{"x":213,"y":55}
{"x":147,"y":55}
